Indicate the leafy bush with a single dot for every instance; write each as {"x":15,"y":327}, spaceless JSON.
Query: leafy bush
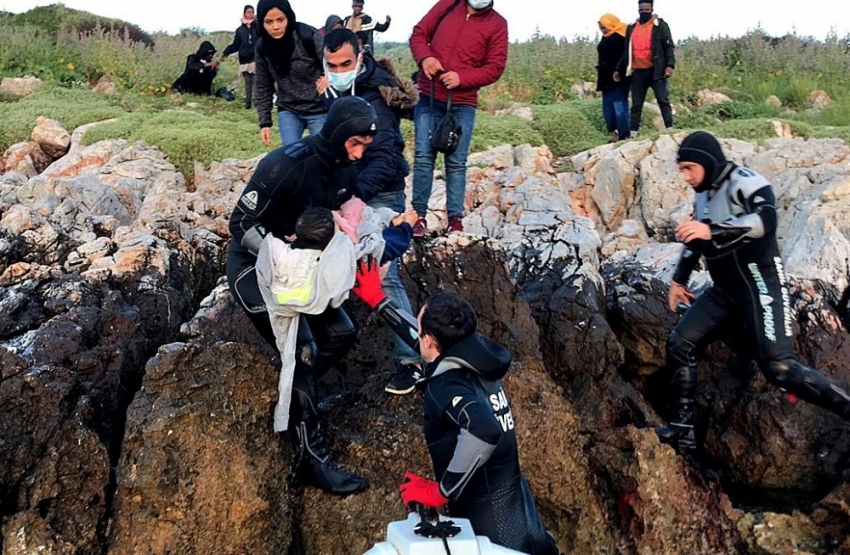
{"x":493,"y":131}
{"x":565,"y":130}
{"x":56,"y":18}
{"x":758,"y":129}
{"x":68,"y":106}
{"x":741,"y":110}
{"x":186,"y":137}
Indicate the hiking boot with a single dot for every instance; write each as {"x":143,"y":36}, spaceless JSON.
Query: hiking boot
{"x":455,"y":224}
{"x":315,"y":465}
{"x":404,"y":380}
{"x":615,"y":136}
{"x":420,"y":228}
{"x":633,"y":134}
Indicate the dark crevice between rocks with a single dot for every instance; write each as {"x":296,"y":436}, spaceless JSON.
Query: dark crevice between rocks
{"x":132,"y":379}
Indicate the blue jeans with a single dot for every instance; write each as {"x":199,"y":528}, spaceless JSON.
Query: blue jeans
{"x":615,"y":110}
{"x":424,"y":120}
{"x":292,"y":125}
{"x":393,"y":287}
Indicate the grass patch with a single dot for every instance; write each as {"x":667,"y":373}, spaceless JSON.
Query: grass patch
{"x":188,"y":136}
{"x":566,"y":130}
{"x":493,"y":131}
{"x":70,"y":107}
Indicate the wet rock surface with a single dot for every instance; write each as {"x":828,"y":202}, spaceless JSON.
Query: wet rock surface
{"x":136,"y":398}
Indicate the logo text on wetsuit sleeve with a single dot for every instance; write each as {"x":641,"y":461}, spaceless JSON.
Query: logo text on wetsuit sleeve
{"x":502,"y":410}
{"x":765,"y":300}
{"x":786,"y":298}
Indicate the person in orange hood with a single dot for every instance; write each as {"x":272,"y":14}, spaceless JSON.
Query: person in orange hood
{"x":615,"y":95}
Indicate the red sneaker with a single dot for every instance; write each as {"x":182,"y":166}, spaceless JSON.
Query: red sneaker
{"x":455,"y":224}
{"x":420,"y":228}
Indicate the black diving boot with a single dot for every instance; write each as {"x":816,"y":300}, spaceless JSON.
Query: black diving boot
{"x":314,"y":462}
{"x":680,"y":431}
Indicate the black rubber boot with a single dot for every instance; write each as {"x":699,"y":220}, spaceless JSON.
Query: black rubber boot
{"x":315,"y":464}
{"x":680,"y":431}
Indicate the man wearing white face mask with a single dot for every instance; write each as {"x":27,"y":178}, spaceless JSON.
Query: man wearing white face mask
{"x":380,"y":182}
{"x":460,"y":46}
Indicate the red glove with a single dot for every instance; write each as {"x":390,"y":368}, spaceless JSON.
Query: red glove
{"x":368,"y":284}
{"x":416,"y":489}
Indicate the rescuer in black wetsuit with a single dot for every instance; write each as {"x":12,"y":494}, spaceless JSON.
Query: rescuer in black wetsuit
{"x":469,"y":426}
{"x":734,"y":228}
{"x":314,"y":172}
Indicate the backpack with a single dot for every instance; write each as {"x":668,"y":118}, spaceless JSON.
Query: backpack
{"x":226,"y":94}
{"x":305,"y":33}
{"x":446,"y":136}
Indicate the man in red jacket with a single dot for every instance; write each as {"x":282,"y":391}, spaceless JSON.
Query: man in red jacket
{"x":460,"y":46}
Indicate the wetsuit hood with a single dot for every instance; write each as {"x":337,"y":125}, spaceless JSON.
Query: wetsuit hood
{"x":476,"y":353}
{"x":348,"y":117}
{"x":703,"y":148}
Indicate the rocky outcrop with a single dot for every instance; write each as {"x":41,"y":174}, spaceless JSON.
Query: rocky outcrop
{"x":135,"y":397}
{"x":19,"y":86}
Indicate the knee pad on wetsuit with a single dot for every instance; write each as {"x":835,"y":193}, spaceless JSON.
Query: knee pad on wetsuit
{"x":783,"y":372}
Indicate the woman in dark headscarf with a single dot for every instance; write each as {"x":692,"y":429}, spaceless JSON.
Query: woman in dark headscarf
{"x":288,"y":63}
{"x":331,"y":24}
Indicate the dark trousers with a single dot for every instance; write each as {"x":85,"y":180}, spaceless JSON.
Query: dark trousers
{"x":642,"y":81}
{"x":760,"y":310}
{"x":249,"y":88}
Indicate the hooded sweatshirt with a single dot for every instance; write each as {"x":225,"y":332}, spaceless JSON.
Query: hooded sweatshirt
{"x":383,"y":166}
{"x":288,"y":66}
{"x":470,"y":433}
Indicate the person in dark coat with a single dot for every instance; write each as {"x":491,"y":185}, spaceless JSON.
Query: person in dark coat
{"x":244,"y":43}
{"x":649,"y":60}
{"x":200,"y":71}
{"x":469,"y":426}
{"x":380,"y":182}
{"x":289,"y":62}
{"x":615,"y":95}
{"x":316,"y":171}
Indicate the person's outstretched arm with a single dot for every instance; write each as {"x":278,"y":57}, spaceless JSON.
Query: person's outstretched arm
{"x":368,"y":288}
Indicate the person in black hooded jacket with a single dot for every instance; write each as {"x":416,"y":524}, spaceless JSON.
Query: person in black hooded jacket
{"x":380,"y":181}
{"x":469,"y":427}
{"x":245,"y":43}
{"x":288,"y":64}
{"x":735,"y":230}
{"x":314,"y":172}
{"x":200,"y":71}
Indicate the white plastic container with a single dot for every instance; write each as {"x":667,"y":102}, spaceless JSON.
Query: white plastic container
{"x":402,"y":540}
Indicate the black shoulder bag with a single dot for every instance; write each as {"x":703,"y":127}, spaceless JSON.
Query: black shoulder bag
{"x":445,"y":137}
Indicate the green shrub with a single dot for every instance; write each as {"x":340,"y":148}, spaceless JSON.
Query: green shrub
{"x":842,"y":133}
{"x":70,"y":107}
{"x":741,"y":110}
{"x":565,"y":130}
{"x":56,"y":17}
{"x":493,"y":131}
{"x":186,"y":137}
